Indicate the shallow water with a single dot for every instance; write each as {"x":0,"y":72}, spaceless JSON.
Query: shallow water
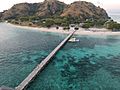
{"x":21,"y":50}
{"x":91,"y":64}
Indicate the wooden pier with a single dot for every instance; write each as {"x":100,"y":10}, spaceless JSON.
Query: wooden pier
{"x":23,"y":85}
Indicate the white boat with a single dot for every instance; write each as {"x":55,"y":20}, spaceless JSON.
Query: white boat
{"x":74,"y":40}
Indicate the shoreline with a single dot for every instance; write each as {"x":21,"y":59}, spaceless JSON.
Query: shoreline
{"x":81,"y":31}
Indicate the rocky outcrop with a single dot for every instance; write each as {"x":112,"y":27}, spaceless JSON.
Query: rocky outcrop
{"x":19,"y":10}
{"x":48,"y":8}
{"x":84,"y":10}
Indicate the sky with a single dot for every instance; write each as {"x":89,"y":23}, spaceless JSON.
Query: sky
{"x":111,"y":6}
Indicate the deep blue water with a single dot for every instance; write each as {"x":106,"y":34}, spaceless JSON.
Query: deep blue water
{"x":91,"y":64}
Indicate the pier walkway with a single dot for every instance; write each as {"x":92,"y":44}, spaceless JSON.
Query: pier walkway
{"x":23,"y":85}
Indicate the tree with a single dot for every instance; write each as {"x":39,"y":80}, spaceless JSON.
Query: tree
{"x":48,"y":23}
{"x":86,"y":25}
{"x":114,"y":26}
{"x":23,"y":19}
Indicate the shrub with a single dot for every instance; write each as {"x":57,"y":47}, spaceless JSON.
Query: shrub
{"x":76,"y":28}
{"x":114,"y":26}
{"x":57,"y":27}
{"x":86,"y":25}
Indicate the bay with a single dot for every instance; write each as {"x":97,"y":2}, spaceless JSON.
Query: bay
{"x":91,"y":64}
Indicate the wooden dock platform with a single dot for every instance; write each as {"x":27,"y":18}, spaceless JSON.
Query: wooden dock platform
{"x":23,"y":85}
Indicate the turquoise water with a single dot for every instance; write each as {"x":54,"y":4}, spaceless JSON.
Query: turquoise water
{"x":21,"y":50}
{"x":91,"y":64}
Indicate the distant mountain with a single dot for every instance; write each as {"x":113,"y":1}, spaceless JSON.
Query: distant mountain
{"x":48,"y":8}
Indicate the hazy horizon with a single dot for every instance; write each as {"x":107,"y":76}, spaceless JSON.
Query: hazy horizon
{"x":111,"y":6}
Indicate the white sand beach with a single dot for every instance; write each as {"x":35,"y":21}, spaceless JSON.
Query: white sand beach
{"x":81,"y":31}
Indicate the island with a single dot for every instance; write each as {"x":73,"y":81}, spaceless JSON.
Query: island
{"x":53,"y":13}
